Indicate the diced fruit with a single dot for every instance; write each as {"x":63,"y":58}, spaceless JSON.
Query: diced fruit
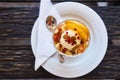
{"x":74,"y":48}
{"x":58,"y":47}
{"x":56,"y":38}
{"x":66,"y":36}
{"x":79,"y":24}
{"x":80,"y":49}
{"x":68,"y":52}
{"x":64,"y":50}
{"x":83,"y":35}
{"x":85,"y":44}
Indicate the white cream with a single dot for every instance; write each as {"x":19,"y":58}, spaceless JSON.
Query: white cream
{"x":65,"y":44}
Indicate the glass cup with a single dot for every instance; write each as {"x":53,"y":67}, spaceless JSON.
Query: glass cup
{"x":71,"y":38}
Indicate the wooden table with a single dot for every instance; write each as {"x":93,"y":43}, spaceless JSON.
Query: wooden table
{"x":16,"y":56}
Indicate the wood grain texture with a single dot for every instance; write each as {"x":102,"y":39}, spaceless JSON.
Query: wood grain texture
{"x":58,"y":0}
{"x":17,"y":59}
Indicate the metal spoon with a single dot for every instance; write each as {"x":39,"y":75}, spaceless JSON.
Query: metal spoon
{"x":51,"y":24}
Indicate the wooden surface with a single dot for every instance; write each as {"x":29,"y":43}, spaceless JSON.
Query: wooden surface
{"x":57,"y":0}
{"x":16,"y":57}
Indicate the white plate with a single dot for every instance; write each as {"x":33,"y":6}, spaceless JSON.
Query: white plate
{"x":91,"y":58}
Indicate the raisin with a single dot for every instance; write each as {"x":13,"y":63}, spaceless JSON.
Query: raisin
{"x":66,"y":32}
{"x":75,"y":29}
{"x":78,"y":37}
{"x":60,"y":45}
{"x":75,"y":34}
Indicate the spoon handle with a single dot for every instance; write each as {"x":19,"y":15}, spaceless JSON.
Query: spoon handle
{"x":61,"y":58}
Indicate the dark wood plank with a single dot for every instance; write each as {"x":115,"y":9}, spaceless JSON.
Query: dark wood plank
{"x":34,"y":4}
{"x":58,"y":0}
{"x":17,"y":22}
{"x":16,"y":57}
{"x":20,"y":64}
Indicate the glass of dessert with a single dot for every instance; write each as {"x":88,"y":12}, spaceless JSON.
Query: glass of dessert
{"x":71,"y":37}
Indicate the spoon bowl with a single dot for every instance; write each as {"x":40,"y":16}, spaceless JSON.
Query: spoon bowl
{"x":51,"y":23}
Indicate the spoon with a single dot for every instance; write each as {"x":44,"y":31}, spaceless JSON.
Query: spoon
{"x":51,"y":24}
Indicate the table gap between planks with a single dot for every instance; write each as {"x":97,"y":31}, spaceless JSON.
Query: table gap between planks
{"x":16,"y":56}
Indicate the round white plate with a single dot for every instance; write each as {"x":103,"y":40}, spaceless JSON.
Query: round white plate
{"x":91,"y":58}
